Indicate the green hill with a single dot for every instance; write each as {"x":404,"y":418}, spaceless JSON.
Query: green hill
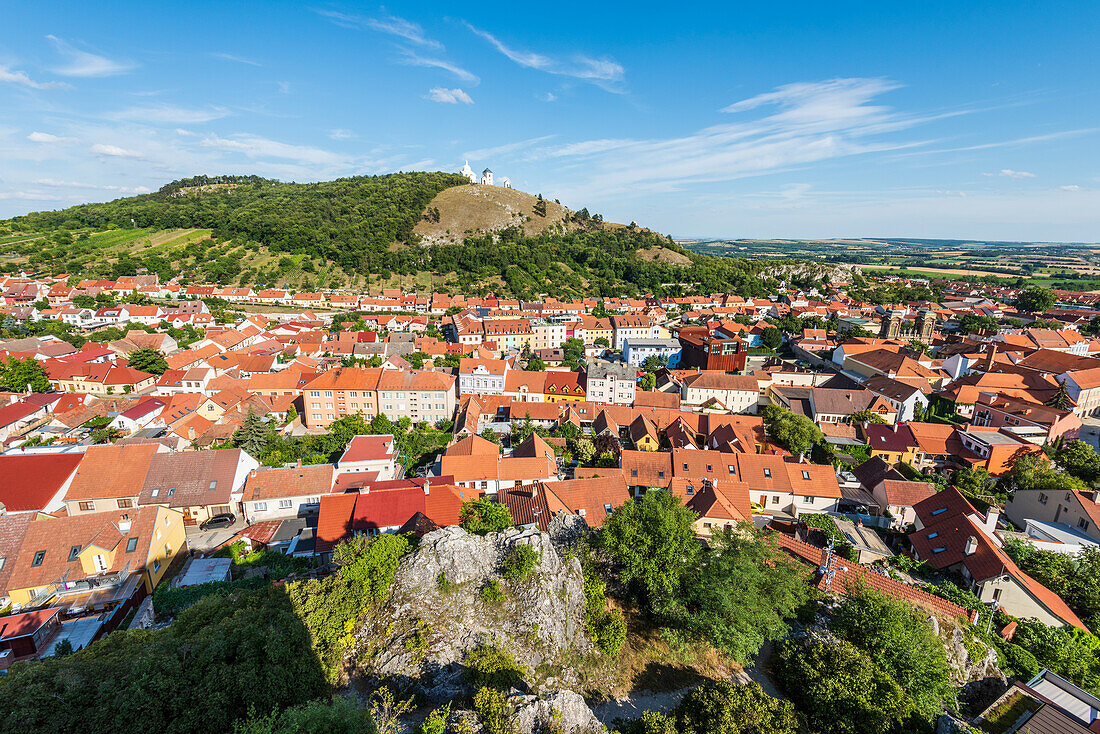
{"x":363,"y":232}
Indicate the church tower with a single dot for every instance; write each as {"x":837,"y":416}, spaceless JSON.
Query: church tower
{"x":890,"y":325}
{"x":926,"y":325}
{"x":486,"y":177}
{"x":469,"y":172}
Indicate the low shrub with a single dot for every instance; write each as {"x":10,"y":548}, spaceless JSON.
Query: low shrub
{"x":493,"y":593}
{"x":520,"y":563}
{"x":491,"y":666}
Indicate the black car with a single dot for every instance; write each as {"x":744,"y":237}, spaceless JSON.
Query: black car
{"x":223,"y":520}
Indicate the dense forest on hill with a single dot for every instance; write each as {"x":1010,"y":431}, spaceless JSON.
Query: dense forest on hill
{"x":348,"y":221}
{"x":253,"y":231}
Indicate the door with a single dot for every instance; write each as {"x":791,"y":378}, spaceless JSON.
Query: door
{"x":763,"y":500}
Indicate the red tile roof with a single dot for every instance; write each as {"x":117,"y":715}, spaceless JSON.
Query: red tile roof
{"x":27,"y":623}
{"x":29,"y":481}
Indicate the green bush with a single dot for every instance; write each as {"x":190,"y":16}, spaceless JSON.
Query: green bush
{"x":492,"y":712}
{"x":493,"y":593}
{"x":483,"y":516}
{"x":491,"y":666}
{"x":336,"y":716}
{"x":826,"y":524}
{"x":417,"y":643}
{"x":520,"y":562}
{"x":170,"y":601}
{"x":609,"y":633}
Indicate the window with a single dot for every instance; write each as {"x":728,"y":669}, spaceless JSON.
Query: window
{"x":156,"y":564}
{"x":213,"y":485}
{"x":171,"y":491}
{"x":1083,"y":523}
{"x":125,"y":504}
{"x":314,"y":394}
{"x":941,"y":549}
{"x":775,"y":499}
{"x":633,"y":472}
{"x":1043,"y":498}
{"x":767,"y":473}
{"x":259,"y":507}
{"x":607,"y":509}
{"x":328,"y":393}
{"x":39,"y":556}
{"x":155,"y":492}
{"x":732,"y":469}
{"x":131,"y":545}
{"x":3,"y":560}
{"x":74,"y":552}
{"x":709,"y":469}
{"x":286,"y":504}
{"x":933,"y":535}
{"x":805,"y":474}
{"x":808,"y":500}
{"x":87,"y":506}
{"x":939,"y":511}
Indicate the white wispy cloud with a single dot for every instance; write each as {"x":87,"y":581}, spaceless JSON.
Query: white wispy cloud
{"x":402,"y":28}
{"x":54,"y":183}
{"x":234,"y":58}
{"x":1009,"y":173}
{"x":171,"y":114}
{"x":1070,"y":187}
{"x":389,"y":24}
{"x":411,"y":58}
{"x":448,"y":96}
{"x":85,"y":64}
{"x":255,"y":146}
{"x":40,"y":137}
{"x":506,"y":148}
{"x":341,"y":134}
{"x":114,"y":151}
{"x":794,"y":125}
{"x":604,"y":72}
{"x":14,"y":76}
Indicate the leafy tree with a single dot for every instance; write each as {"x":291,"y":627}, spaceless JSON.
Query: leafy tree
{"x":738,"y":595}
{"x":1036,"y":300}
{"x":772,"y":338}
{"x":490,"y":435}
{"x":724,"y":707}
{"x":483,"y":516}
{"x":20,"y":375}
{"x":572,"y":352}
{"x":839,"y":688}
{"x":972,"y":482}
{"x":972,"y":323}
{"x":253,"y":435}
{"x":1079,"y":459}
{"x":218,"y":661}
{"x":654,"y":362}
{"x":335,"y":716}
{"x":601,"y":341}
{"x":584,"y":450}
{"x":148,"y":360}
{"x":652,"y":542}
{"x":1061,"y":399}
{"x":792,"y":431}
{"x":369,"y":563}
{"x":900,"y":642}
{"x":535,"y":364}
{"x":867,"y":416}
{"x":648,"y":381}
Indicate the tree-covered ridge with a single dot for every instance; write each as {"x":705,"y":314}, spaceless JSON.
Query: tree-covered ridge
{"x":349,"y":221}
{"x":352,"y":225}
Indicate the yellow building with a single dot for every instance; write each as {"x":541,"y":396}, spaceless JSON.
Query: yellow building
{"x":99,"y":555}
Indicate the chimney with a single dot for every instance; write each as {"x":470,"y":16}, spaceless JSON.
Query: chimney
{"x":427,"y":489}
{"x":971,"y":546}
{"x":124,"y":524}
{"x":990,"y":524}
{"x":990,"y":353}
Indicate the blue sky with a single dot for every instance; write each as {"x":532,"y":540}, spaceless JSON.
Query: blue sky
{"x":929,"y":119}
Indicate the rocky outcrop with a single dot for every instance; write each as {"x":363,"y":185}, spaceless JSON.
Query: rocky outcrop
{"x":560,"y":711}
{"x":435,"y":613}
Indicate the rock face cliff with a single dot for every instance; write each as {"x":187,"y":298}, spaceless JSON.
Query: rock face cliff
{"x":436,"y":613}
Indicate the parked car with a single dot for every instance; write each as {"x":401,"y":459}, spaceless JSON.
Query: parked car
{"x":223,"y":520}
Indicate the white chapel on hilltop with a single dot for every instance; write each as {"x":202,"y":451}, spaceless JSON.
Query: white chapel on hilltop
{"x":486,"y":177}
